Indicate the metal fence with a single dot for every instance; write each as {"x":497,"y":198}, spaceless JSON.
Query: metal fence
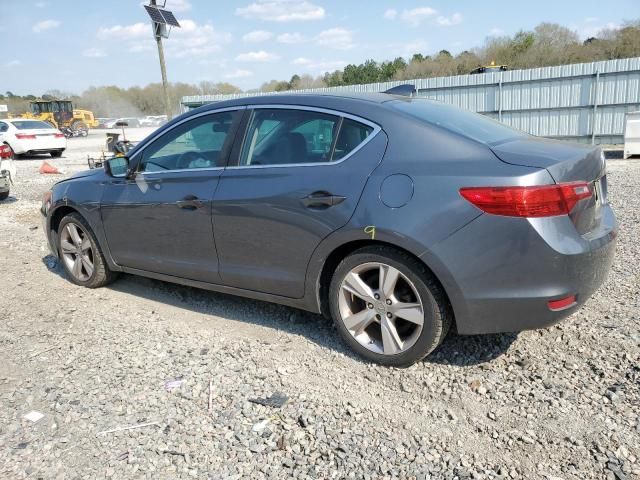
{"x":586,"y":102}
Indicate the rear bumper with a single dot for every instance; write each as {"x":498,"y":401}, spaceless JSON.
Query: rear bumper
{"x":23,"y":146}
{"x":501,"y":271}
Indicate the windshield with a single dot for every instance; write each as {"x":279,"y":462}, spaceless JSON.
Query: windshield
{"x":30,"y":125}
{"x":471,"y":125}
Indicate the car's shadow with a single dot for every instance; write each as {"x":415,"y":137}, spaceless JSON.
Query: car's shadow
{"x":455,"y":350}
{"x":9,"y":199}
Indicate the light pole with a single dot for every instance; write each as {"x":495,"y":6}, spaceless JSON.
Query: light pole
{"x":162,"y":21}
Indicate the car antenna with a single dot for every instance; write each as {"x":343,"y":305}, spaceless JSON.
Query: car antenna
{"x":405,"y":90}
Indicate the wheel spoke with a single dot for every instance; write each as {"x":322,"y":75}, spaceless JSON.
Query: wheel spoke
{"x":88,"y":266}
{"x":391,"y":342}
{"x":67,"y":247}
{"x":388,"y":280}
{"x":354,"y":284}
{"x":77,"y":267}
{"x":74,"y":234}
{"x":359,"y":321}
{"x":411,"y":312}
{"x":86,"y":244}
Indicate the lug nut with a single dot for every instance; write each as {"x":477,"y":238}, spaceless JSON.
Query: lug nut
{"x":389,"y":315}
{"x":378,"y":317}
{"x":369,"y":305}
{"x":388,"y":301}
{"x":376,"y":296}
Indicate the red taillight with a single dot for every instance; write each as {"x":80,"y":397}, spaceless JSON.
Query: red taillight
{"x":58,"y":135}
{"x":5,"y":151}
{"x":557,"y":305}
{"x":538,"y":201}
{"x":25,"y":136}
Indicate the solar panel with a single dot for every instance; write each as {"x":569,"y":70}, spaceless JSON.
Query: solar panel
{"x":170,"y":19}
{"x":161,"y":16}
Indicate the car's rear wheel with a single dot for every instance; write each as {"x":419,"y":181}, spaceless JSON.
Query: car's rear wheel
{"x":388,"y":307}
{"x":56,"y":153}
{"x":80,"y":253}
{"x":4,"y":195}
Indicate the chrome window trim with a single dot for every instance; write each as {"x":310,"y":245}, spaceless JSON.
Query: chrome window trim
{"x":153,"y":138}
{"x":376,"y":129}
{"x":181,"y":170}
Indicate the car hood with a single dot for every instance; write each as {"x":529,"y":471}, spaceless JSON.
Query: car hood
{"x":83,"y":174}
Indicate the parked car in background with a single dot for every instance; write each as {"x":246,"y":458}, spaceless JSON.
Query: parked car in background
{"x":32,"y":136}
{"x":104,"y":122}
{"x":398,"y":217}
{"x":130,"y":121}
{"x":7,"y":170}
{"x":153,"y":120}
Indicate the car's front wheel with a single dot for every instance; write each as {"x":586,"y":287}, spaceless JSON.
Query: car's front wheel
{"x":4,"y":195}
{"x":80,"y":253}
{"x":388,"y":307}
{"x":56,"y":153}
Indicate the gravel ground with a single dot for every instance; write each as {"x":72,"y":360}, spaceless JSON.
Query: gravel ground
{"x":561,"y":403}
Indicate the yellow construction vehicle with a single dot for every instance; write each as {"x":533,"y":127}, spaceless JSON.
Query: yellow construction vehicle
{"x":60,"y":113}
{"x":492,"y":68}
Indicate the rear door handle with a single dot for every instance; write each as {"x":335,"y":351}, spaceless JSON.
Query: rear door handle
{"x":322,"y":200}
{"x":190,"y":202}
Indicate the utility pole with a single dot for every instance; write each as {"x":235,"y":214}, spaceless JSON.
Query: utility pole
{"x":160,"y":31}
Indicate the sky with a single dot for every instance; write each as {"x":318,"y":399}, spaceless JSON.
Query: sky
{"x":70,"y":45}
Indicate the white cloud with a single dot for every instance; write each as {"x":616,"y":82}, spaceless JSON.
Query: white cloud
{"x":93,"y":53}
{"x":239,"y":74}
{"x":178,"y":5}
{"x":127,"y":32}
{"x":41,"y":4}
{"x":593,"y":29}
{"x":13,"y":63}
{"x":338,"y":38}
{"x":454,"y":19}
{"x":260,"y":56}
{"x":290,"y":38}
{"x":591,"y":19}
{"x":408,"y":49}
{"x":318,"y":66}
{"x":281,"y":11}
{"x":496,"y":32}
{"x":416,"y":16}
{"x":300,"y":61}
{"x":257,"y":36}
{"x":45,"y":25}
{"x":390,"y":14}
{"x":192,"y":39}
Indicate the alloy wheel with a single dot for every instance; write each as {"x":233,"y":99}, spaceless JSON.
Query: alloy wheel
{"x":77,"y":252}
{"x":381,"y":308}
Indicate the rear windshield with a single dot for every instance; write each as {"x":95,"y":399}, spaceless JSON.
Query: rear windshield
{"x":30,"y":124}
{"x":472,"y":125}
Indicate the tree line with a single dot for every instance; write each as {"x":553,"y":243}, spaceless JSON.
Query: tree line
{"x":547,"y":44}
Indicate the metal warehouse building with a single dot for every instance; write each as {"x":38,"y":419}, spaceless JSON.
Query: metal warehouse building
{"x":586,"y":102}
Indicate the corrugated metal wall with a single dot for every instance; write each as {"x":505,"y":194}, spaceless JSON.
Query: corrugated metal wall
{"x":585,"y":101}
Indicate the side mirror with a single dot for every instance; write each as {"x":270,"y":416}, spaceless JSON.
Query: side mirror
{"x":117,"y":167}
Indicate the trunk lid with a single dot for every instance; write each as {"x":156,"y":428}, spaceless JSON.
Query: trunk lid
{"x":565,"y":162}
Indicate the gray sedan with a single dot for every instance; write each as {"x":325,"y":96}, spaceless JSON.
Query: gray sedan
{"x":398,"y":217}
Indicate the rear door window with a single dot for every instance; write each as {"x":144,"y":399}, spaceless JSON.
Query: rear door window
{"x":293,"y":136}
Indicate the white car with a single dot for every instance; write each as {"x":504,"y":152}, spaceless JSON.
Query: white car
{"x":25,"y":135}
{"x":153,"y":120}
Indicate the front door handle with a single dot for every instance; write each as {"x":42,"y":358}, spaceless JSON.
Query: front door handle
{"x":190,"y":202}
{"x":322,"y":200}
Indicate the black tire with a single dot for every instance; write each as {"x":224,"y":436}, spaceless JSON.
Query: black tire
{"x":437,"y":311}
{"x":101,"y":275}
{"x":4,"y":195}
{"x":56,"y":153}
